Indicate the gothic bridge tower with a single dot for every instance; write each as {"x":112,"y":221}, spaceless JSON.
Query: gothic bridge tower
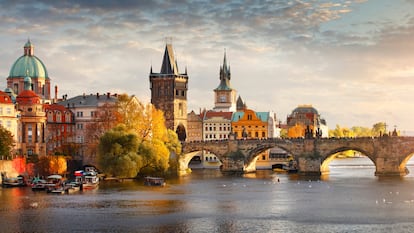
{"x":169,"y":93}
{"x":225,"y":96}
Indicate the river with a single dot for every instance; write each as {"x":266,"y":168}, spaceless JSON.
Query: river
{"x":350,"y":199}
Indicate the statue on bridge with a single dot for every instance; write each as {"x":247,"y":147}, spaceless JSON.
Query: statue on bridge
{"x":308,"y":132}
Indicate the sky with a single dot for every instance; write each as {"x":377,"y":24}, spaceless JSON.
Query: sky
{"x":352,"y":60}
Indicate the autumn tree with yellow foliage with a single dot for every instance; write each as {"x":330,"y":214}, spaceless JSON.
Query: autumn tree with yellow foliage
{"x":155,"y":143}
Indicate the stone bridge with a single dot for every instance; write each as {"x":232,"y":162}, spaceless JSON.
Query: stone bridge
{"x":389,"y":154}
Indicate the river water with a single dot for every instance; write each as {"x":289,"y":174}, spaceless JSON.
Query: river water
{"x":350,"y":199}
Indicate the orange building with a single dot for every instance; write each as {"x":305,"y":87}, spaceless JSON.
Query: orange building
{"x":247,"y":123}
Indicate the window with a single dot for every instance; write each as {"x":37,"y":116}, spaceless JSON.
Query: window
{"x":29,"y":133}
{"x":1,"y":111}
{"x":8,"y":111}
{"x":58,"y":117}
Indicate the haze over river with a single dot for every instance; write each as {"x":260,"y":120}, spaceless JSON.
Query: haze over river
{"x":350,"y":199}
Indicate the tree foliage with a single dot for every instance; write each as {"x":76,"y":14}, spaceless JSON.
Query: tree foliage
{"x":118,"y":153}
{"x":377,"y":130}
{"x":6,"y":143}
{"x":105,"y":118}
{"x":153,"y":142}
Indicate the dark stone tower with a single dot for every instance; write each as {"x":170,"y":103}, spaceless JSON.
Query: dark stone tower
{"x":169,"y":93}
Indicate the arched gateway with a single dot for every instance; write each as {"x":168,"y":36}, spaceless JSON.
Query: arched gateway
{"x":389,"y":154}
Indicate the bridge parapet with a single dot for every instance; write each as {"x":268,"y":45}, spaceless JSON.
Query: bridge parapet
{"x":389,"y":154}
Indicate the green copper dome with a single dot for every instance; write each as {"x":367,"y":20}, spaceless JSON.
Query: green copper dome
{"x":28,"y":65}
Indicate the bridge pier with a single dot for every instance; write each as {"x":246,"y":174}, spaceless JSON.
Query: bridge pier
{"x":309,"y":166}
{"x":390,"y":166}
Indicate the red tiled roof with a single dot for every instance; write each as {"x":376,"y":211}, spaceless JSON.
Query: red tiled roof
{"x":4,"y":98}
{"x":225,"y":115}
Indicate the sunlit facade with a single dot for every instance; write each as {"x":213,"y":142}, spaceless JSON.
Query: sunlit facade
{"x":303,"y":119}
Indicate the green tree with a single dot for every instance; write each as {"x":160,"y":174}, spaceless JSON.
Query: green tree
{"x":118,"y":153}
{"x":6,"y":143}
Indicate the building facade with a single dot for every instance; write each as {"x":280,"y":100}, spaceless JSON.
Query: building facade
{"x":60,"y":130}
{"x":86,"y":110}
{"x":216,"y":125}
{"x":32,"y":123}
{"x":248,"y":124}
{"x":8,"y":114}
{"x":305,"y":121}
{"x":169,"y":93}
{"x":194,"y":127}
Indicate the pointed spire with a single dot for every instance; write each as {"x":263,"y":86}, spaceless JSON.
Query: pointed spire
{"x":169,"y":64}
{"x":224,"y":75}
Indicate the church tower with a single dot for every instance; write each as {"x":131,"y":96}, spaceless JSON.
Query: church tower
{"x":225,"y":96}
{"x":169,"y":93}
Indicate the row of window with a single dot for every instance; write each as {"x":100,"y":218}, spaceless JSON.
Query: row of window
{"x":216,"y":136}
{"x":249,"y":126}
{"x":8,"y":111}
{"x":8,"y":124}
{"x":214,"y":128}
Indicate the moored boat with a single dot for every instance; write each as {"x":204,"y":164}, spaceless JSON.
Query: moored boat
{"x":54,"y":184}
{"x":154,"y":181}
{"x":38,"y":184}
{"x":87,"y":179}
{"x":18,"y":181}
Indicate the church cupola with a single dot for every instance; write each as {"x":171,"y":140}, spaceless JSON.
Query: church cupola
{"x":28,"y":49}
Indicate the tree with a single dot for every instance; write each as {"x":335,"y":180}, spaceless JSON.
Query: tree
{"x":118,"y":153}
{"x":379,"y":129}
{"x":105,"y":118}
{"x":6,"y":143}
{"x":155,"y":143}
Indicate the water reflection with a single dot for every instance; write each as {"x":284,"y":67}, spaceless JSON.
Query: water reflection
{"x":351,"y":199}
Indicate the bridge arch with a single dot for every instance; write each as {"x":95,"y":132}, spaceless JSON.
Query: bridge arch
{"x":403,"y":164}
{"x":328,"y":157}
{"x":253,"y":155}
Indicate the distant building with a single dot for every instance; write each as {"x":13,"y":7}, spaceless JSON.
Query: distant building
{"x":304,"y":120}
{"x":86,"y":109}
{"x":60,"y":130}
{"x":32,"y":124}
{"x":216,"y":125}
{"x":250,"y":124}
{"x":169,"y":93}
{"x":194,"y":127}
{"x":225,"y":96}
{"x":8,"y":114}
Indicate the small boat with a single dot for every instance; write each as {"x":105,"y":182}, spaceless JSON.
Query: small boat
{"x":154,"y":181}
{"x":87,"y":179}
{"x":72,"y":187}
{"x":54,"y":184}
{"x":38,"y":184}
{"x":18,"y":181}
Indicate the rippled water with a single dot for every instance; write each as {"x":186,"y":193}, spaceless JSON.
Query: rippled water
{"x":350,"y":199}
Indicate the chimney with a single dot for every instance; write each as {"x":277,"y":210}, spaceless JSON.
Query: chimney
{"x":56,"y":93}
